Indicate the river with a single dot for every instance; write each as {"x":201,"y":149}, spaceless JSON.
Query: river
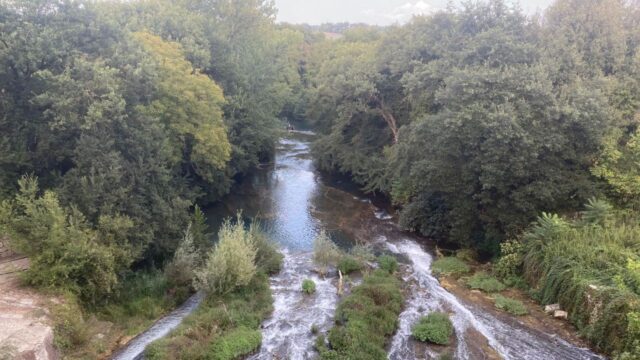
{"x":294,"y":203}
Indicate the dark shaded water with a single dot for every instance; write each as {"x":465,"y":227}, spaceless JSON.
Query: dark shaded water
{"x":294,"y":204}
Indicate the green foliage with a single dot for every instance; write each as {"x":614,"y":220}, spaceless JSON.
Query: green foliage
{"x":466,"y":255}
{"x":349,"y":264}
{"x":69,"y":325}
{"x":365,"y":318}
{"x":509,"y":264}
{"x":308,"y":287}
{"x":485,"y":282}
{"x":231,"y":263}
{"x":190,"y":104}
{"x":619,"y":166}
{"x":450,"y":266}
{"x":591,"y":271}
{"x":325,"y":252}
{"x":181,"y":270}
{"x":363,"y":253}
{"x":512,"y":306}
{"x":268,"y":258}
{"x":222,"y":325}
{"x":597,"y":212}
{"x":235,"y":344}
{"x":435,"y":328}
{"x":122,"y":114}
{"x":491,"y":98}
{"x":388,"y":263}
{"x":66,"y":252}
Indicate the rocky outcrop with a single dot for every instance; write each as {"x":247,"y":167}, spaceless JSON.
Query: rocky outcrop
{"x":25,"y":325}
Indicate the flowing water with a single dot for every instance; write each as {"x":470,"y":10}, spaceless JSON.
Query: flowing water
{"x":160,"y":329}
{"x":294,"y":203}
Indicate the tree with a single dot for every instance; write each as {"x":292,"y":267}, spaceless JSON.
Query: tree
{"x":65,"y":251}
{"x":190,"y":105}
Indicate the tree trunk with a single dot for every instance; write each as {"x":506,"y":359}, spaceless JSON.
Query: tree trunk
{"x":388,"y":117}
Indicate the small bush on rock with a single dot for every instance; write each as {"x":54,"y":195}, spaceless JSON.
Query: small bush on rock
{"x":435,"y":328}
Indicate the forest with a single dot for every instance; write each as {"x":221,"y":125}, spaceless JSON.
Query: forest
{"x":513,"y":136}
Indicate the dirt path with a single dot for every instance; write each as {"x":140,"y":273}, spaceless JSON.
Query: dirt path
{"x":25,"y":332}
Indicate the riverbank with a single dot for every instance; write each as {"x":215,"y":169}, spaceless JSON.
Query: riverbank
{"x":96,"y":332}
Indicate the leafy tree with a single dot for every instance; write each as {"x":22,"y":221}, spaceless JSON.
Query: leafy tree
{"x":190,"y":105}
{"x":65,"y":251}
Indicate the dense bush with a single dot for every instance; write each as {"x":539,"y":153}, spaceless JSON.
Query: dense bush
{"x":231,"y":263}
{"x":349,"y":264}
{"x":308,"y":286}
{"x":235,"y":344}
{"x":181,"y":270}
{"x":435,"y":328}
{"x":364,"y":319}
{"x":485,"y":282}
{"x":450,"y":266}
{"x":512,"y":306}
{"x":388,"y":263}
{"x":590,"y":269}
{"x":268,"y":258}
{"x":325,"y":252}
{"x":66,"y":252}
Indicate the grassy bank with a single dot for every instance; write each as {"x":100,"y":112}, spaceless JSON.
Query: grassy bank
{"x":235,"y":279}
{"x":223,"y":327}
{"x":591,"y":267}
{"x":92,"y":332}
{"x":365,"y":318}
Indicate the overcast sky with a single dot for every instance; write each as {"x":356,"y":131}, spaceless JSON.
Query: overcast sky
{"x":380,"y":12}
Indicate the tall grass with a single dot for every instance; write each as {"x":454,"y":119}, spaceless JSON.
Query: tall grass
{"x":588,"y":266}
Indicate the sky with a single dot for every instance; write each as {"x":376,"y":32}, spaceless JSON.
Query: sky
{"x":378,"y":12}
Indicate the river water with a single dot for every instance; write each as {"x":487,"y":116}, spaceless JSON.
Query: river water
{"x":294,"y":203}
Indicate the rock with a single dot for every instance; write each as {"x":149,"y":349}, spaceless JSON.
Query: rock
{"x":549,"y":309}
{"x":559,"y":314}
{"x":476,"y":292}
{"x":25,"y":327}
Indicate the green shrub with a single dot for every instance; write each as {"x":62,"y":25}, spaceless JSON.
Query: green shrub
{"x":435,"y":328}
{"x":235,"y":344}
{"x":308,"y":286}
{"x":181,"y":270}
{"x":363,"y":253}
{"x":349,"y":264}
{"x":450,"y":266}
{"x":69,"y":328}
{"x":512,"y":306}
{"x":231,"y":263}
{"x":365,"y":319}
{"x":510,"y":262}
{"x":466,"y":255}
{"x":66,"y":251}
{"x":325,"y":252}
{"x":485,"y":282}
{"x":268,"y":258}
{"x":388,"y":263}
{"x":217,"y":316}
{"x":584,"y":266}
